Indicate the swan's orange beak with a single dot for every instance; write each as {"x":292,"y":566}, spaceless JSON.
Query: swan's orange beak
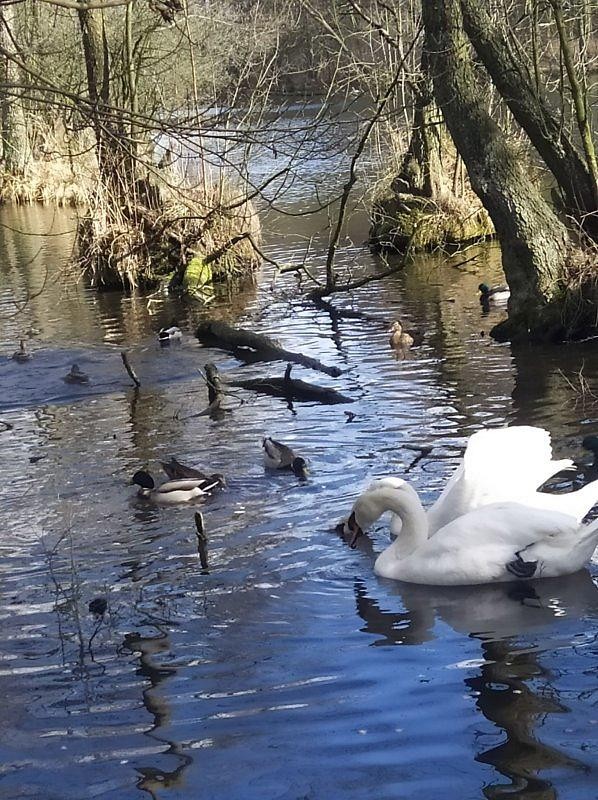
{"x":354,"y":529}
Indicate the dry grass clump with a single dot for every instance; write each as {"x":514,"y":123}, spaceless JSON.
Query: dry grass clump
{"x":61,"y":169}
{"x":156,"y":234}
{"x":137,"y":232}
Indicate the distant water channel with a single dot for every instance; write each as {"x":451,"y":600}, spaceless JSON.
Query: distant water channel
{"x":288,"y":671}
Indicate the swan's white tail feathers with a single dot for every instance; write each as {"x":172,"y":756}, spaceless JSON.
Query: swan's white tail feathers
{"x":588,"y":536}
{"x":579,"y":503}
{"x":507,"y":448}
{"x":510,"y":462}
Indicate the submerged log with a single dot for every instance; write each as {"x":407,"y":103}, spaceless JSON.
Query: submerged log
{"x":262,"y":348}
{"x":292,"y":389}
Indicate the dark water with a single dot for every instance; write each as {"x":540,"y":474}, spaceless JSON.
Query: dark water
{"x":289,"y":671}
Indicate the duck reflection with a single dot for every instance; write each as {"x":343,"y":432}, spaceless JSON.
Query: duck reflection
{"x":499,"y":615}
{"x":152,"y":778}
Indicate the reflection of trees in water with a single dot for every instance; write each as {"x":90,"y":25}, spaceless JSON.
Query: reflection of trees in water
{"x":550,"y":383}
{"x":502,"y":686}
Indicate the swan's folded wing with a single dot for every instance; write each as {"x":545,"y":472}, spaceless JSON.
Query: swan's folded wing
{"x":477,"y":547}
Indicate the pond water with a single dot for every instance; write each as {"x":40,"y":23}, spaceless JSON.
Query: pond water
{"x":288,"y":670}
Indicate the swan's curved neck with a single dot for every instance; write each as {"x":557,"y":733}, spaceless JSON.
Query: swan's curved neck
{"x":405,"y":503}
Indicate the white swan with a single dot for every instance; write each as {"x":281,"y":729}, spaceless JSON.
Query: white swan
{"x":495,"y":543}
{"x":505,"y":464}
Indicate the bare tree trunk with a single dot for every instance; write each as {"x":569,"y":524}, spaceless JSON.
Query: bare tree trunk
{"x":533,"y":113}
{"x":15,"y":143}
{"x":115,"y":161}
{"x":580,"y":100}
{"x":534,"y":242}
{"x":422,"y":169}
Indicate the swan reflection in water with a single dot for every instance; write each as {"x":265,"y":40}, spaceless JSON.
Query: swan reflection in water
{"x":506,"y":619}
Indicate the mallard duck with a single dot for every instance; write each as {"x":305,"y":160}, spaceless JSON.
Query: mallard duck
{"x":168,"y":335}
{"x":21,"y":355}
{"x":493,"y":294}
{"x":171,"y":492}
{"x":175,"y":471}
{"x":399,"y":338}
{"x":497,"y":542}
{"x":76,"y":376}
{"x":279,"y":456}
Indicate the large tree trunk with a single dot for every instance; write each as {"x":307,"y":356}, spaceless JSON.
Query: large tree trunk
{"x":533,"y":113}
{"x":14,"y":140}
{"x":534,"y":242}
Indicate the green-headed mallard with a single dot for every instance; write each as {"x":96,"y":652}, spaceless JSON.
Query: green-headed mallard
{"x":171,"y":492}
{"x":170,"y":334}
{"x":279,"y":456}
{"x":493,"y":294}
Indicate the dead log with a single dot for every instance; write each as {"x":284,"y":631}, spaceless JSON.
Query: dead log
{"x":214,"y":408}
{"x":249,"y":346}
{"x":292,"y":389}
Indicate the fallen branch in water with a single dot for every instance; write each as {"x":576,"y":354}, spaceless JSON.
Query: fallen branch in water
{"x":292,"y":389}
{"x":263,"y":348}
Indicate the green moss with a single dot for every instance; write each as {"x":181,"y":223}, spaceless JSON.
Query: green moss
{"x":197,"y":274}
{"x":410,"y":222}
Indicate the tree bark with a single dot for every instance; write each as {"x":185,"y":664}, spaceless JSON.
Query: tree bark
{"x":115,"y":162}
{"x":15,"y":148}
{"x":532,"y":111}
{"x":422,"y":171}
{"x":534,"y":242}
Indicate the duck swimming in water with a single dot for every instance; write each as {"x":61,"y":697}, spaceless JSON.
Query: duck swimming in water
{"x":399,"y":338}
{"x":279,"y":456}
{"x":171,"y":492}
{"x":22,"y":354}
{"x":168,"y":335}
{"x":76,"y":375}
{"x":176,"y":471}
{"x":493,"y":294}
